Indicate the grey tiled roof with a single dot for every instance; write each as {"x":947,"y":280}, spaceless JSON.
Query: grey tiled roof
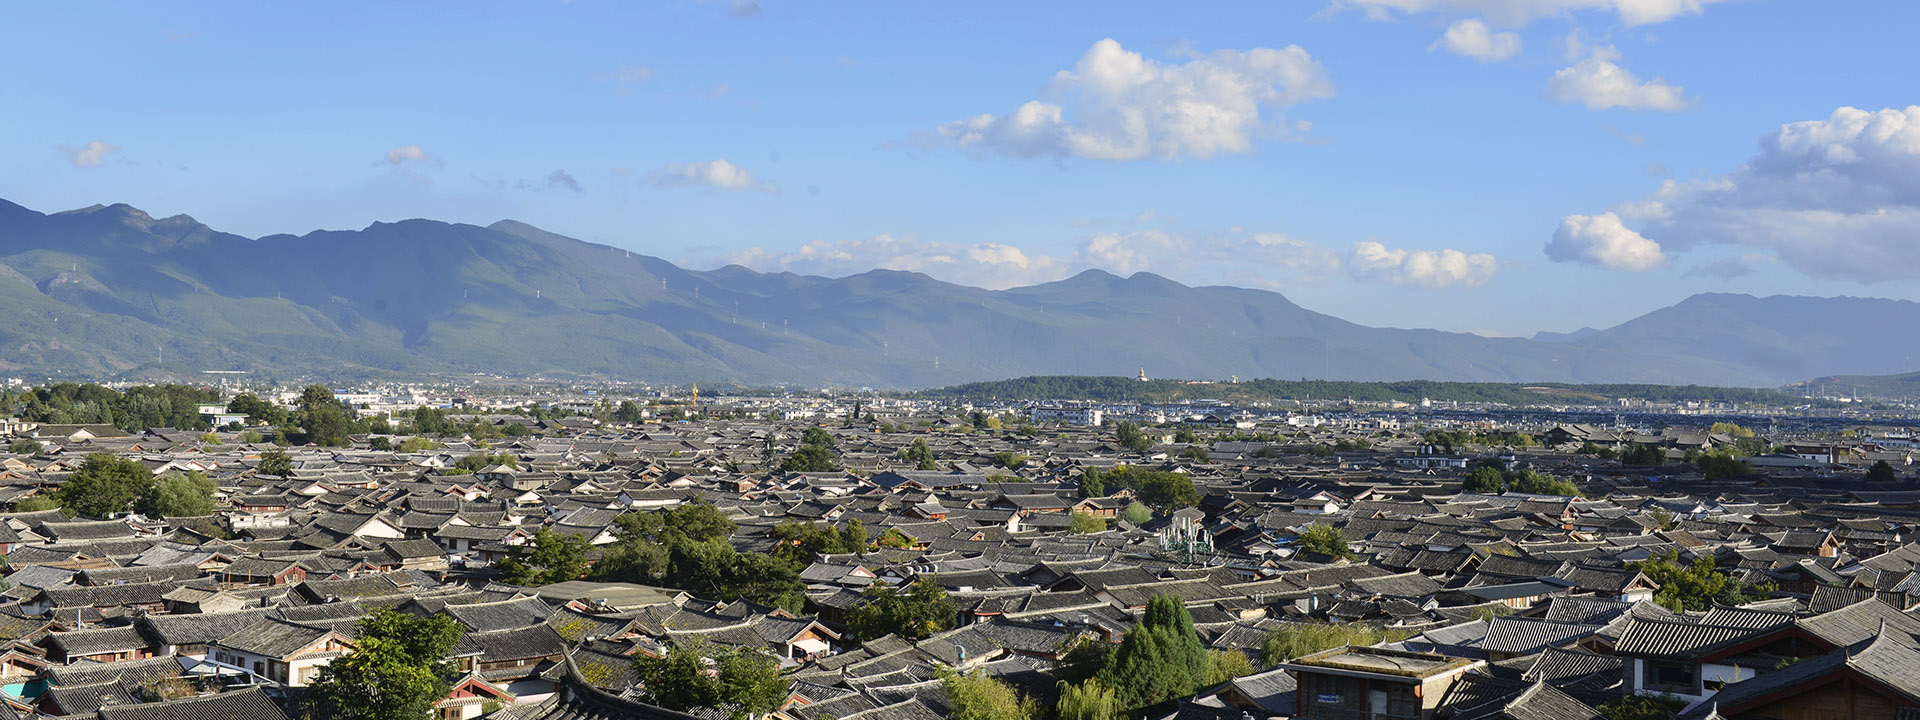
{"x":252,"y":704}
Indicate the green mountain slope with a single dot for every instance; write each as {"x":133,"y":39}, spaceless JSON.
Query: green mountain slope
{"x":110,"y":290}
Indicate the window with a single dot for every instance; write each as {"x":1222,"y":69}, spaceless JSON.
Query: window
{"x":1680,"y":676}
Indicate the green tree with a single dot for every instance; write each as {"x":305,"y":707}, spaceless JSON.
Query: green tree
{"x":1326,"y":540}
{"x":746,"y":682}
{"x":920,"y":455}
{"x":810,"y":458}
{"x":750,"y":682}
{"x":1169,"y":615}
{"x":1720,"y":466}
{"x":1186,"y":435}
{"x":1732,"y":430}
{"x":1224,"y":665}
{"x":1649,"y":455}
{"x":1136,"y":514}
{"x":919,"y":611}
{"x":1085,"y":522}
{"x":257,"y":410}
{"x":1082,"y":659}
{"x":1169,"y":490}
{"x":104,"y":485}
{"x":550,"y":558}
{"x":1140,"y":672}
{"x":714,"y":569}
{"x":1089,"y":700}
{"x":37,"y":503}
{"x":25,"y":446}
{"x":431,"y":421}
{"x":678,"y":681}
{"x":1485,"y":479}
{"x":379,"y":442}
{"x":1288,"y":640}
{"x":276,"y":463}
{"x":188,"y":494}
{"x":1696,"y":585}
{"x":1092,"y":484}
{"x":1881,"y":472}
{"x":1532,"y":482}
{"x":324,"y":418}
{"x":818,"y":437}
{"x":397,"y":669}
{"x":894,"y":538}
{"x":1010,"y":460}
{"x":629,"y":412}
{"x":1130,"y":437}
{"x":416,"y":444}
{"x":983,"y":697}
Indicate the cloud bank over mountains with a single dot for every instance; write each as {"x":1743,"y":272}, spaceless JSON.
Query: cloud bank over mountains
{"x":1837,"y":198}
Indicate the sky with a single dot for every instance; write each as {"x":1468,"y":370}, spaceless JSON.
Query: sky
{"x":1492,"y":166}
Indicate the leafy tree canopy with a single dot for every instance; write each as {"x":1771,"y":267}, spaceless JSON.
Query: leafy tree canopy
{"x":397,"y":669}
{"x":915,"y":613}
{"x":104,"y":485}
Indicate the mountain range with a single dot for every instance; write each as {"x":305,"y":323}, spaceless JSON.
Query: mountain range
{"x":112,"y":292}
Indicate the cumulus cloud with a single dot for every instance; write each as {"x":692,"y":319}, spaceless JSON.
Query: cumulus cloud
{"x":407,"y":154}
{"x":1603,"y":241}
{"x":1431,"y":269}
{"x":1260,"y":259}
{"x":1471,"y":38}
{"x":989,"y":265}
{"x":1118,"y":105}
{"x":89,"y":155}
{"x":1836,"y":198}
{"x":713,"y":174}
{"x":1516,"y":13}
{"x":1600,"y":84}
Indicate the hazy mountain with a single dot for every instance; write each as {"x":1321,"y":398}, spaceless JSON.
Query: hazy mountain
{"x":113,"y":291}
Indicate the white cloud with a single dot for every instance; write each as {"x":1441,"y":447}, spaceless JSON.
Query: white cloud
{"x":1430,"y":269}
{"x":1259,"y":260}
{"x":89,"y":155}
{"x":1117,"y":105}
{"x":1131,"y":252}
{"x":1293,"y":253}
{"x":1517,"y":13}
{"x":1836,"y":198}
{"x":1603,"y":241}
{"x":714,"y":174}
{"x":406,"y":154}
{"x":1600,"y":84}
{"x":989,"y":265}
{"x":1471,"y":38}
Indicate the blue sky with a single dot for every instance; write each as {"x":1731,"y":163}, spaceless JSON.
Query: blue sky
{"x":1495,"y":166}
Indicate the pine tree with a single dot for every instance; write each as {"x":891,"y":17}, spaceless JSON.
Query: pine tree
{"x":1168,"y":615}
